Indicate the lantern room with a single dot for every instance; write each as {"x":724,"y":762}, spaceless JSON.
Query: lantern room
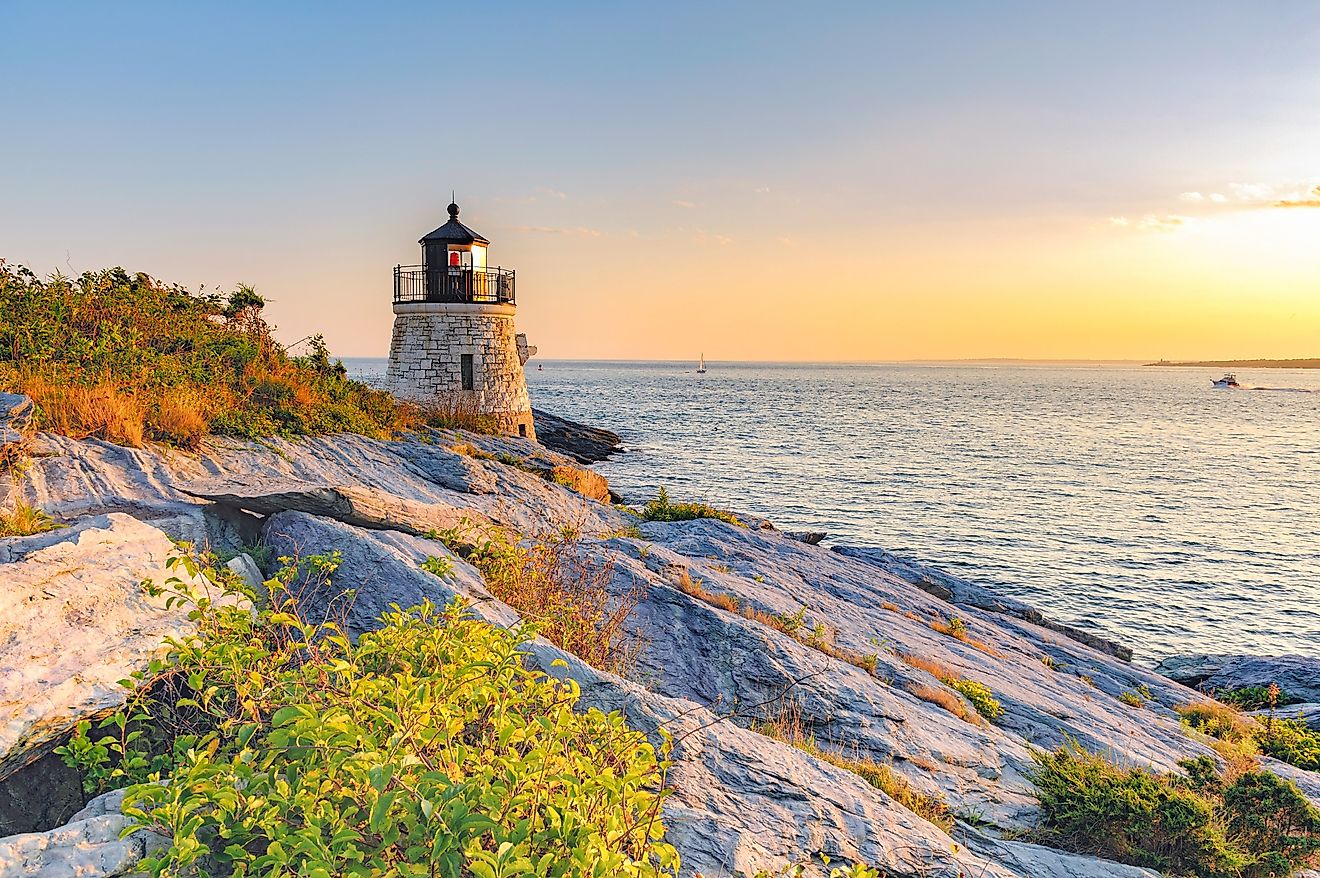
{"x":454,"y":245}
{"x":453,"y":270}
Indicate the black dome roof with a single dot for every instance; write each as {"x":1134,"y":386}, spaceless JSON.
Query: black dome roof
{"x":453,"y":232}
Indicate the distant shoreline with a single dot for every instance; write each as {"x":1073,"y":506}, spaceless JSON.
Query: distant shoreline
{"x":1313,"y":363}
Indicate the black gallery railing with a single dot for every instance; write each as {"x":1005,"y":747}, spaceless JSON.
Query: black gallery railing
{"x":453,"y":283}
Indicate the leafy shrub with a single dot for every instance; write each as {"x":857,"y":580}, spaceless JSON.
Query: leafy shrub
{"x":662,"y":509}
{"x":426,"y":749}
{"x":1291,"y":741}
{"x":1131,"y":699}
{"x":1257,"y":826}
{"x":24,"y":520}
{"x":124,"y":357}
{"x":553,"y":582}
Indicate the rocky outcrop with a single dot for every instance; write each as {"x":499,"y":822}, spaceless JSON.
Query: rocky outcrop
{"x":580,"y":442}
{"x":963,"y":593}
{"x":365,"y":507}
{"x":719,"y":647}
{"x":74,"y":621}
{"x":1297,"y":675}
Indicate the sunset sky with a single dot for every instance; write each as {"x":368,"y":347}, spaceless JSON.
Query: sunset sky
{"x":758,"y":181}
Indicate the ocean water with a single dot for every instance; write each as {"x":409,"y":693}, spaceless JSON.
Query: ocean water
{"x":1137,"y":502}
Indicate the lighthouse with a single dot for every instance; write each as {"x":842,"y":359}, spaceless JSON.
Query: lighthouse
{"x":454,"y":344}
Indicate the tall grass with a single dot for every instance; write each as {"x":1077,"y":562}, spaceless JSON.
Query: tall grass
{"x":23,"y":520}
{"x":127,"y":358}
{"x":555,"y":582}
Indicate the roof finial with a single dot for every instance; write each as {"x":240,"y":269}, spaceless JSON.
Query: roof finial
{"x":453,"y":204}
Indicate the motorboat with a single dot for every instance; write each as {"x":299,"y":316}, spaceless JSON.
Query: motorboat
{"x":1229,"y":380}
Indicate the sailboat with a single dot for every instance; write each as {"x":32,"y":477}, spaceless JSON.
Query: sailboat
{"x":701,"y":364}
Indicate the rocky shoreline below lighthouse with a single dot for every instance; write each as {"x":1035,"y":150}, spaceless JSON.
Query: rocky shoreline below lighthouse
{"x":712,"y":656}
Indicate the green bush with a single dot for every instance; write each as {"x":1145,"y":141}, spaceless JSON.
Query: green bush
{"x":426,"y":749}
{"x":661,"y":509}
{"x":1291,"y":741}
{"x":979,"y":695}
{"x":1256,"y":826}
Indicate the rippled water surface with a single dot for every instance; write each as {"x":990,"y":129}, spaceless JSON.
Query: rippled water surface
{"x":1136,"y":501}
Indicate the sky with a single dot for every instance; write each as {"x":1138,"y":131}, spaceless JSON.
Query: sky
{"x":751,"y":181}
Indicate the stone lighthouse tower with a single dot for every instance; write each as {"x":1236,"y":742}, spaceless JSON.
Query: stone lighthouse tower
{"x":454,"y":343}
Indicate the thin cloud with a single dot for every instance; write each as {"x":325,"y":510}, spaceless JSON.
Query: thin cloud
{"x":551,"y":193}
{"x":1150,"y":222}
{"x":1311,"y":200}
{"x":678,"y":202}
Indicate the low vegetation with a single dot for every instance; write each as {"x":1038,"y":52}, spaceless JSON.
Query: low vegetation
{"x":23,"y":519}
{"x":126,"y":358}
{"x":977,"y":694}
{"x":1252,"y":825}
{"x":958,"y":630}
{"x":663,"y":509}
{"x":267,"y":745}
{"x":1241,"y":736}
{"x":554,"y":582}
{"x":1256,"y":697}
{"x":786,"y":725}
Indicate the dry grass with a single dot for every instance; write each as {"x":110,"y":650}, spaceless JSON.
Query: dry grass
{"x":978,"y":694}
{"x":103,"y":410}
{"x":556,"y":585}
{"x":788,"y":727}
{"x":893,"y":608}
{"x":947,"y":700}
{"x":24,"y":520}
{"x":179,"y":418}
{"x":957,"y":629}
{"x":455,"y":411}
{"x":1234,"y":733}
{"x":584,"y":481}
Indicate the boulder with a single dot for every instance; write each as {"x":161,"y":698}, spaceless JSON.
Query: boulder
{"x":580,"y":442}
{"x":1297,"y":675}
{"x":74,"y":621}
{"x":88,"y":846}
{"x":15,"y":419}
{"x":377,"y":569}
{"x":351,"y":504}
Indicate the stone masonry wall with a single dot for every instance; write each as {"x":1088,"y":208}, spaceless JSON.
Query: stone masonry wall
{"x":425,"y":360}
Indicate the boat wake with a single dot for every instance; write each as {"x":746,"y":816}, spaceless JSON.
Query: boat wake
{"x":1282,"y":389}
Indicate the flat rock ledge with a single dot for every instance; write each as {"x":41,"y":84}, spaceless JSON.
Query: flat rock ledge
{"x":1297,"y":675}
{"x":582,"y":443}
{"x":961,"y":592}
